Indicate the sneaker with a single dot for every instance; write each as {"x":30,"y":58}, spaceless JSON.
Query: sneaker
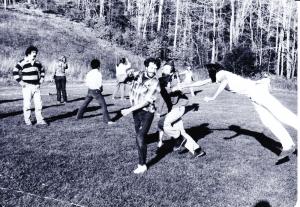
{"x":287,"y":153}
{"x":180,"y":141}
{"x":140,"y":169}
{"x":159,"y":144}
{"x":199,"y":153}
{"x":42,"y":122}
{"x":28,"y":123}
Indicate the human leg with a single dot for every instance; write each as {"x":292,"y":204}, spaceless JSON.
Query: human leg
{"x":27,"y":96}
{"x":278,"y":110}
{"x":101,"y":101}
{"x":145,"y":119}
{"x":58,"y":88}
{"x":63,"y":89}
{"x":38,"y":105}
{"x":272,"y":123}
{"x":116,"y":90}
{"x":83,"y":107}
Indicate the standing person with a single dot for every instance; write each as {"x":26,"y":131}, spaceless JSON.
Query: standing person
{"x":93,"y":81}
{"x":271,"y":112}
{"x":60,"y":79}
{"x":121,"y":74}
{"x":30,"y":75}
{"x":172,"y":123}
{"x":188,"y":73}
{"x":143,"y":94}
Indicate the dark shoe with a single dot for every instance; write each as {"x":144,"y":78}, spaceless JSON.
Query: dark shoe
{"x":286,"y":153}
{"x":180,"y":141}
{"x":198,"y":153}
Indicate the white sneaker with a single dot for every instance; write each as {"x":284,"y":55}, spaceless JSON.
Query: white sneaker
{"x":159,"y":144}
{"x":140,"y":169}
{"x":28,"y":123}
{"x":42,"y":122}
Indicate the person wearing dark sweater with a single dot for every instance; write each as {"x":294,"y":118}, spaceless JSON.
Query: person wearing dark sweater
{"x":30,"y":73}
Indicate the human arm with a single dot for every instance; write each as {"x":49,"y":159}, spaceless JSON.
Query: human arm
{"x":149,"y":98}
{"x":195,"y":84}
{"x":16,"y":74}
{"x":222,"y":86}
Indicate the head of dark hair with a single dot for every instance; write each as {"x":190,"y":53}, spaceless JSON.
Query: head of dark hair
{"x":122,"y":60}
{"x":156,"y":61}
{"x":212,"y":69}
{"x":95,"y":63}
{"x":30,"y":49}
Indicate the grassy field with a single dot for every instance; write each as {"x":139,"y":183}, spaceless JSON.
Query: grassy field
{"x":86,"y":163}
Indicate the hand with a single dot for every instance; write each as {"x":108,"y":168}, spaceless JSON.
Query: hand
{"x":207,"y":99}
{"x":125,"y":112}
{"x":22,"y":84}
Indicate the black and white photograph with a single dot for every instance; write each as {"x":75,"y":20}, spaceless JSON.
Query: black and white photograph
{"x":182,"y":103}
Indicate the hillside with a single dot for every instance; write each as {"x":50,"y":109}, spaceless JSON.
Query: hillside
{"x":54,"y":36}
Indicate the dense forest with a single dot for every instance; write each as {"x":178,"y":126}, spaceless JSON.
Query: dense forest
{"x":247,"y":36}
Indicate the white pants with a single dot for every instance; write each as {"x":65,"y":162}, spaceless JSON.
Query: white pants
{"x":32,"y":91}
{"x":173,"y":127}
{"x":272,"y":114}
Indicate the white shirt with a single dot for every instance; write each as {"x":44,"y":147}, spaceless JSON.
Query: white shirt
{"x":93,"y":79}
{"x":236,"y":83}
{"x":121,"y":69}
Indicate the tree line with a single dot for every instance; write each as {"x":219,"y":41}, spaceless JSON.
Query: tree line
{"x":247,"y":36}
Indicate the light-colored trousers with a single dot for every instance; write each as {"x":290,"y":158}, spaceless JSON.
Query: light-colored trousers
{"x":273,"y":114}
{"x":30,"y":92}
{"x":173,"y":127}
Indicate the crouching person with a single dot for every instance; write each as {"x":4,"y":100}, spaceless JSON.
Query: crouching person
{"x":172,"y":123}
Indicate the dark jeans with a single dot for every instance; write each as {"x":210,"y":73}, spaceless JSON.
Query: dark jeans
{"x":100,"y":99}
{"x":142,"y":122}
{"x":60,"y":82}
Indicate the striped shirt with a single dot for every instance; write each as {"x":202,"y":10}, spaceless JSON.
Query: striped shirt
{"x":145,"y":89}
{"x":28,"y":72}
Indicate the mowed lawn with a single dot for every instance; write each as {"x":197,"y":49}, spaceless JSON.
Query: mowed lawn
{"x":87,"y":163}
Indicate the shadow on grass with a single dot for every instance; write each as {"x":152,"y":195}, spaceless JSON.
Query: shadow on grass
{"x":265,"y":141}
{"x":11,"y":100}
{"x":82,"y":98}
{"x":262,"y":204}
{"x":73,"y":113}
{"x":197,"y":132}
{"x":15,"y":113}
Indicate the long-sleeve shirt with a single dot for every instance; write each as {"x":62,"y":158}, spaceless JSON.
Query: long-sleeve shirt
{"x":60,"y":68}
{"x":93,"y":79}
{"x":29,"y":72}
{"x":171,"y":98}
{"x":145,"y":88}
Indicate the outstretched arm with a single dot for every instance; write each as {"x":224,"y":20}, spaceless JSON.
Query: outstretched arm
{"x":195,"y":84}
{"x":222,"y":86}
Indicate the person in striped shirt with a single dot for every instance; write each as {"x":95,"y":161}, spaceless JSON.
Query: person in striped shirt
{"x":142,"y":96}
{"x":30,"y":74}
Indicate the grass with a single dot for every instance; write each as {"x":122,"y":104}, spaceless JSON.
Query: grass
{"x":86,"y":163}
{"x":55,"y":36}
